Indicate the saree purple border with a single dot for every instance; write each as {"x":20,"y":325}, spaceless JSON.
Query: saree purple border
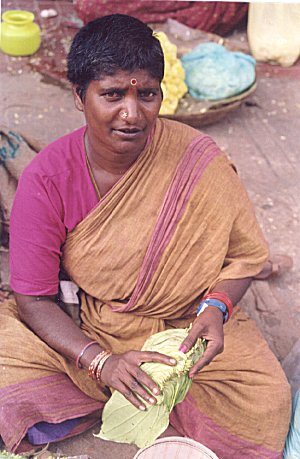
{"x":50,"y":405}
{"x":190,"y":170}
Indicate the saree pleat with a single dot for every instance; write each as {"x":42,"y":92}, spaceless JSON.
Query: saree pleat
{"x":178,"y":222}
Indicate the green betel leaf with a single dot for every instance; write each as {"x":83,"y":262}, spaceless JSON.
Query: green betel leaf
{"x":122,"y":422}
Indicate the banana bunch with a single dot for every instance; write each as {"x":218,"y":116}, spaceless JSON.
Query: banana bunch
{"x":173,"y":85}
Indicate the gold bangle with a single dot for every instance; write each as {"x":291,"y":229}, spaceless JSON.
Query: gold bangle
{"x":94,"y":363}
{"x":100,"y":366}
{"x":93,"y":367}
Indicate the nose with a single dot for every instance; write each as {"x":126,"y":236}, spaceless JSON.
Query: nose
{"x":131,"y":107}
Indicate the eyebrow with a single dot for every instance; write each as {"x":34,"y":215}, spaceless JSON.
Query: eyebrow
{"x":123,"y":90}
{"x":150,"y":88}
{"x":111,"y":89}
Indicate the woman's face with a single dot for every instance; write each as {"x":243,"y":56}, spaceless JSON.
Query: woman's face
{"x":120,"y":111}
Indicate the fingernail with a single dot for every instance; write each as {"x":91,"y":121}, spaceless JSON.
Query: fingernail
{"x":183,"y":348}
{"x":151,"y":400}
{"x":155,"y":391}
{"x":173,"y":361}
{"x":142,"y":407}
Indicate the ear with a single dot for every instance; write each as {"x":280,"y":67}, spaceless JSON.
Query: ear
{"x":161,"y":93}
{"x":77,"y":99}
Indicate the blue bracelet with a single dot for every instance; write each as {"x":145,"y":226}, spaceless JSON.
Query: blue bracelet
{"x":217,"y":304}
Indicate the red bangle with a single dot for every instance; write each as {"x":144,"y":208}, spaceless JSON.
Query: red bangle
{"x":78,"y":365}
{"x":221,"y":297}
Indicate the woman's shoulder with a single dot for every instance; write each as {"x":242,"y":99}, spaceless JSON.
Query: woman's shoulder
{"x":178,"y":128}
{"x":176,"y":139}
{"x":179,"y":135}
{"x":61,"y":155}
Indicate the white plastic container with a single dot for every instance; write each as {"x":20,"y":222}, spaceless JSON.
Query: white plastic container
{"x":173,"y":447}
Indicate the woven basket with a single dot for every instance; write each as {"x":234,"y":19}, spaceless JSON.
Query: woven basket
{"x":175,"y":447}
{"x":189,"y":110}
{"x":202,"y":113}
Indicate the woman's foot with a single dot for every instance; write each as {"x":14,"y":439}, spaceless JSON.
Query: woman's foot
{"x":277,"y":265}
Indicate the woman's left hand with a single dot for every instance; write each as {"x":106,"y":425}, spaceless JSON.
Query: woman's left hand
{"x":208,"y":325}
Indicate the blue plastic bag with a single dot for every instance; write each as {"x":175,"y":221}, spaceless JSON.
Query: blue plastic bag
{"x":292,"y":444}
{"x":213,"y":73}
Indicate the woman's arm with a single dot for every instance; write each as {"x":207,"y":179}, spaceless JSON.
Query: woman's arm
{"x":121,"y":371}
{"x":47,"y":320}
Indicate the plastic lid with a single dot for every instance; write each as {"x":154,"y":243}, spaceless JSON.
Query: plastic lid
{"x":171,"y":447}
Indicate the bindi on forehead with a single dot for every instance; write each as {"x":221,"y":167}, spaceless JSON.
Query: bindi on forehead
{"x":133,"y":81}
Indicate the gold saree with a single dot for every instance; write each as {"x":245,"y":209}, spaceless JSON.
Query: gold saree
{"x":174,"y":225}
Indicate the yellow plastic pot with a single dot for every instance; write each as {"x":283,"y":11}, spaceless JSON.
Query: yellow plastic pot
{"x":20,"y":35}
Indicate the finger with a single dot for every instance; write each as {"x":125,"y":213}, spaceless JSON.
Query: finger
{"x":211,"y":351}
{"x":211,"y":320}
{"x":144,"y":382}
{"x":138,"y":389}
{"x":190,"y":340}
{"x":149,"y":356}
{"x":143,"y":377}
{"x":129,"y":395}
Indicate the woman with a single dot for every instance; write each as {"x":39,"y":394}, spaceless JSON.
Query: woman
{"x":146,"y":217}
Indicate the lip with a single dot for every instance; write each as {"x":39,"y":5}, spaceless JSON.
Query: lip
{"x":128,"y":133}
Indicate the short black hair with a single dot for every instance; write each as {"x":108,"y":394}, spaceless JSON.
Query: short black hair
{"x":111,"y":43}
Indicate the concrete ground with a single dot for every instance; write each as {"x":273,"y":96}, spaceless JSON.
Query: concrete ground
{"x":262,"y":138}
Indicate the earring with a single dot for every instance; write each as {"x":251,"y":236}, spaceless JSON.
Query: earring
{"x":123,"y":114}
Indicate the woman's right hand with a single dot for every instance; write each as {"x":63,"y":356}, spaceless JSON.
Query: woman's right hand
{"x":123,"y":373}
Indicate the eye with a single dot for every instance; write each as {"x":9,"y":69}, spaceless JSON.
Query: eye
{"x":148,"y":94}
{"x":112,"y":94}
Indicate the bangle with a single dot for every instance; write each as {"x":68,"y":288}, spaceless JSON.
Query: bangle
{"x":96,"y":365}
{"x":216,"y":303}
{"x":223,"y":298}
{"x":93,"y":365}
{"x":100,"y":366}
{"x":78,"y":364}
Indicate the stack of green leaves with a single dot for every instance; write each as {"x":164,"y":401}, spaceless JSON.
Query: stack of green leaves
{"x":122,"y":422}
{"x":7,"y":455}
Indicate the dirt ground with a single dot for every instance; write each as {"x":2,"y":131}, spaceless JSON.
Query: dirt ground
{"x":262,"y":138}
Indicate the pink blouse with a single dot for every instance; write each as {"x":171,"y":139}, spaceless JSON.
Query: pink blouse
{"x":54,"y":194}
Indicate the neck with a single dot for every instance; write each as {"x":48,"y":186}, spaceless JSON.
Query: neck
{"x":110,"y":162}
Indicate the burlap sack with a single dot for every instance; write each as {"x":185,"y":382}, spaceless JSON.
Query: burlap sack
{"x":8,"y":185}
{"x":16,"y":151}
{"x":273,"y":31}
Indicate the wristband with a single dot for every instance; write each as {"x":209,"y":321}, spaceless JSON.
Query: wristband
{"x":221,"y":297}
{"x":215,"y":303}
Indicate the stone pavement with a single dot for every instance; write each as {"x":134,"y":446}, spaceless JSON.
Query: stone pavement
{"x":262,"y":138}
